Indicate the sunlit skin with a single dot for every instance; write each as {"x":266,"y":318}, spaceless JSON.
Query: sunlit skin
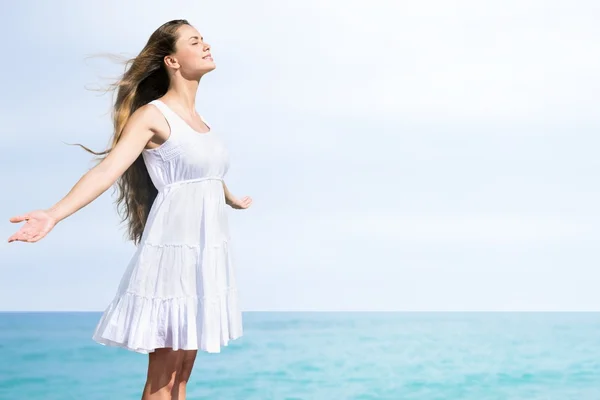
{"x":168,"y":370}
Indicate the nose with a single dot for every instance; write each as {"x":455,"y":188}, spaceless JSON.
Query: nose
{"x":206,"y":46}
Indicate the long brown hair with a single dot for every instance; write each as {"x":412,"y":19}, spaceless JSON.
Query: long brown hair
{"x":145,"y":79}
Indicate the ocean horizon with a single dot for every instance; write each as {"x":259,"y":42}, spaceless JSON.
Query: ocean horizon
{"x":323,"y":355}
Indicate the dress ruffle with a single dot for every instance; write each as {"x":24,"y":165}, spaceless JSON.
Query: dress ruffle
{"x":199,"y":310}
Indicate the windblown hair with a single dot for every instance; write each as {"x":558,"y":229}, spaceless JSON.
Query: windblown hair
{"x":145,"y":79}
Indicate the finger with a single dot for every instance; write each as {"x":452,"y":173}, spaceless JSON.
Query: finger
{"x":19,"y":218}
{"x":15,"y":238}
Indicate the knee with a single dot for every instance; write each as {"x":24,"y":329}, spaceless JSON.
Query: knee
{"x":170,"y":382}
{"x":162,"y":381}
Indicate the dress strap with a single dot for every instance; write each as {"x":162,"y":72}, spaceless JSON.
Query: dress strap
{"x":173,"y":119}
{"x":169,"y":115}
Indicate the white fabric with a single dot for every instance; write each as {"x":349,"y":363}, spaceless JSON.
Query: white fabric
{"x":179,"y":289}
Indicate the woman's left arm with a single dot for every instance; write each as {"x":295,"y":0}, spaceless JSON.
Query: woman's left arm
{"x":233,"y":201}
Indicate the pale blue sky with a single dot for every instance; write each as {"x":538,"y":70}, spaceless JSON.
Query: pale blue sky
{"x":420,"y":155}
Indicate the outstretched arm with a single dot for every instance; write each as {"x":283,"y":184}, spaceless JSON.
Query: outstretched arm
{"x":136,"y":134}
{"x":234,"y":202}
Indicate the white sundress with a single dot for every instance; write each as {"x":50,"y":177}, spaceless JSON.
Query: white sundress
{"x":179,"y":290}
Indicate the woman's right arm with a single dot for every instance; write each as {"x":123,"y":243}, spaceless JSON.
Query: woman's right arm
{"x":136,"y":134}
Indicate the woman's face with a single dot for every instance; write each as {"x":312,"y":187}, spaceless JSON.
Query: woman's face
{"x":192,"y":53}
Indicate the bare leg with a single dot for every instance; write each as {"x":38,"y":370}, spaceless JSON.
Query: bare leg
{"x":183,"y":375}
{"x":163,"y":367}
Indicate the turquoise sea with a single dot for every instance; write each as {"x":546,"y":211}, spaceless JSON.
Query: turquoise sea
{"x":329,"y":356}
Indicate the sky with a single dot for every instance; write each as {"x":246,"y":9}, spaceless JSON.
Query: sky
{"x":402,"y":155}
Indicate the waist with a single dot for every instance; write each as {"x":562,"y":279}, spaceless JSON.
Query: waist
{"x":188,"y":181}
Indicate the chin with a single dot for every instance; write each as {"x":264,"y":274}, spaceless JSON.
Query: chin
{"x":207,"y":68}
{"x":203,"y":72}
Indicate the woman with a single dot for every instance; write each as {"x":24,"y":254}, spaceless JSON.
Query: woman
{"x":178,"y":294}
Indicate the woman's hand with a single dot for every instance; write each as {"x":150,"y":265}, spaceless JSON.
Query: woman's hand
{"x":240,"y":204}
{"x":37,"y":225}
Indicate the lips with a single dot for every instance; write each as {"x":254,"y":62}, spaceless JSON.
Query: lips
{"x":207,"y":57}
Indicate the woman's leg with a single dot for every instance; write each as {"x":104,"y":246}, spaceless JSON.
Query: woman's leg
{"x":183,"y":375}
{"x":163,"y":368}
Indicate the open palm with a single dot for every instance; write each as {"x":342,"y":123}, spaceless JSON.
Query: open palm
{"x":37,"y":225}
{"x":241,"y":204}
